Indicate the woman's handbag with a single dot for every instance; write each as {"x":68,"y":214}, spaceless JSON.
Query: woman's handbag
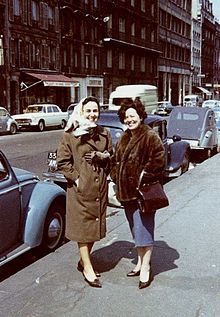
{"x":152,"y":196}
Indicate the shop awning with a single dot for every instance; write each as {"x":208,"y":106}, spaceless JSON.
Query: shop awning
{"x":54,"y":80}
{"x":205,"y":91}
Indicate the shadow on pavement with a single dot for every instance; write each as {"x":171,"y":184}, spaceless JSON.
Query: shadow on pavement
{"x":107,"y":258}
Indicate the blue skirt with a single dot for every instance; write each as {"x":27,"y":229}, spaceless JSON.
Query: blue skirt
{"x":141,"y":224}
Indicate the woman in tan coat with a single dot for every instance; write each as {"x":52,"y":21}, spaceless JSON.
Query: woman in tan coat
{"x":83,"y":158}
{"x":140,"y":148}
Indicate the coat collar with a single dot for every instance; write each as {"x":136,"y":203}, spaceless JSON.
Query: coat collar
{"x":130,"y":140}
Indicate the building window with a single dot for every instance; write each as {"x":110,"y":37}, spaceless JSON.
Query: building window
{"x":152,"y":36}
{"x":143,"y":33}
{"x":75,"y":59}
{"x":50,"y":15}
{"x":95,"y":3}
{"x":122,"y":25}
{"x":17,"y":7}
{"x":87,"y":61}
{"x":132,"y":62}
{"x":121,"y":61}
{"x":1,"y":51}
{"x":143,"y":66}
{"x":153,"y":9}
{"x":95,"y":61}
{"x":35,"y":11}
{"x":109,"y":58}
{"x":143,"y":5}
{"x":133,"y":29}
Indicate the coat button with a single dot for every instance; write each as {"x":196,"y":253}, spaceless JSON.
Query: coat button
{"x":97,"y":219}
{"x":97,"y":199}
{"x":96,"y":179}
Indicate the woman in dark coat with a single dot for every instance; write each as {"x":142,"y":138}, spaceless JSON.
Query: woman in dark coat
{"x":140,"y":148}
{"x":83,"y":158}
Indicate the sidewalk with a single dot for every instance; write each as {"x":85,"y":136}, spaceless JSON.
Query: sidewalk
{"x":185,"y":262}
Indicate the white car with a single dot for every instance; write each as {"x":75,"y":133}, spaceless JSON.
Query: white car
{"x":41,"y":116}
{"x":211,"y":103}
{"x":7,"y":123}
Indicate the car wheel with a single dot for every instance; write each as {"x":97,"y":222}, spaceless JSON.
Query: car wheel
{"x":185,"y":165}
{"x":54,"y":227}
{"x":63,"y":124}
{"x":13,"y":128}
{"x":214,"y":151}
{"x":41,"y":125}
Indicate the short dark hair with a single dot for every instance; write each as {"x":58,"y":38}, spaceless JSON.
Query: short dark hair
{"x":90,"y":98}
{"x":129,"y":103}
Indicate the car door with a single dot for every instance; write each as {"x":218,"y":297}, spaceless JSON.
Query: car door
{"x":3,"y":120}
{"x":10,"y":209}
{"x":57,"y":116}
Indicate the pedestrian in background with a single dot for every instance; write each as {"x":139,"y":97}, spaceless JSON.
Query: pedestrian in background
{"x":83,"y":157}
{"x":139,"y":148}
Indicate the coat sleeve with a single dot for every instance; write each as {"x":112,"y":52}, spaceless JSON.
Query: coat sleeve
{"x":156,"y":163}
{"x":65,"y":160}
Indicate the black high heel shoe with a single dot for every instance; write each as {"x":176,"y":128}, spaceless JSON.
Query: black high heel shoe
{"x":133,"y":273}
{"x":146,"y":284}
{"x":95,"y":283}
{"x":80,"y":268}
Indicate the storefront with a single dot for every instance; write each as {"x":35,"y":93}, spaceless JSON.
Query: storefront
{"x":46,"y":87}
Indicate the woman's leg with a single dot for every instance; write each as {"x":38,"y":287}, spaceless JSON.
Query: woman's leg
{"x":145,"y":256}
{"x":85,"y":249}
{"x":90,"y":245}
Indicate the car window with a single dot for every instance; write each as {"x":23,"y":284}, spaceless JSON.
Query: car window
{"x":3,"y":171}
{"x":160,"y":129}
{"x":2,"y":113}
{"x":55,"y":109}
{"x":115,"y":133}
{"x":49,"y":109}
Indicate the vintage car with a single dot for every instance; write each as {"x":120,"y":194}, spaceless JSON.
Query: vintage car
{"x":195,"y":125}
{"x":164,"y":108}
{"x":32,"y":212}
{"x":177,"y":153}
{"x":41,"y":116}
{"x":7,"y":123}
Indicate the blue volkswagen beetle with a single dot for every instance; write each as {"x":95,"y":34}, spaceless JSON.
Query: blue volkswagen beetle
{"x":32,"y":212}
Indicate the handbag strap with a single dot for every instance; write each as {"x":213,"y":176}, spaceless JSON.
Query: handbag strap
{"x":141,"y":178}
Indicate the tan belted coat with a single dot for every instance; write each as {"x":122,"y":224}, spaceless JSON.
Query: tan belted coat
{"x":87,"y":201}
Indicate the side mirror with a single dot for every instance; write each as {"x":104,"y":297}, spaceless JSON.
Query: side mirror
{"x":176,"y":138}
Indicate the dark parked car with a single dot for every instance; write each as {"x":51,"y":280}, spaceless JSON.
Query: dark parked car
{"x":32,"y":212}
{"x":197,"y":126}
{"x":7,"y":123}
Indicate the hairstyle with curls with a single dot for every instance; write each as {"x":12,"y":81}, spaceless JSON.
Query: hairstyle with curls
{"x":129,"y":103}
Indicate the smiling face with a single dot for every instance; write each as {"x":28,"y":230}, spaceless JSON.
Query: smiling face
{"x":91,"y":111}
{"x":132,"y":119}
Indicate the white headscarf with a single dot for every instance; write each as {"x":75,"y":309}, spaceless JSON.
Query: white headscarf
{"x":77,"y":122}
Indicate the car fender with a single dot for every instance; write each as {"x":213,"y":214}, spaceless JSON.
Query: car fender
{"x":42,"y":197}
{"x":10,"y":122}
{"x":209,"y":140}
{"x":176,"y":153}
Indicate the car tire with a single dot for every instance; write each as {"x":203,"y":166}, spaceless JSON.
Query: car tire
{"x":214,"y":151}
{"x":63,"y":124}
{"x":41,"y":125}
{"x":186,"y":161}
{"x":13,"y":129}
{"x":54,"y":227}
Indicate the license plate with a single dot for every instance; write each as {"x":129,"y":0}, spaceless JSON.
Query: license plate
{"x":52,"y":156}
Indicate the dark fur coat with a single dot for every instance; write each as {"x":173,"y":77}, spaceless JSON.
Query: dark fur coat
{"x":143,"y":150}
